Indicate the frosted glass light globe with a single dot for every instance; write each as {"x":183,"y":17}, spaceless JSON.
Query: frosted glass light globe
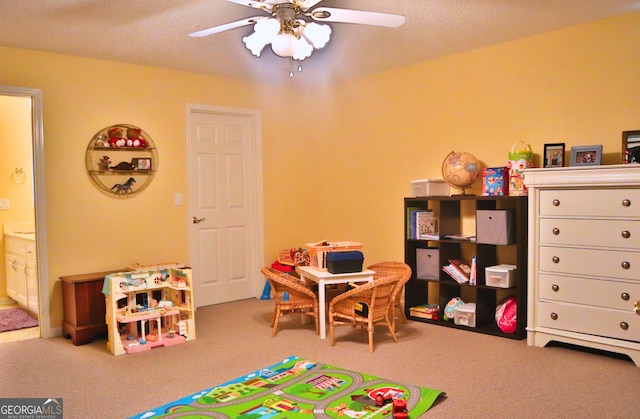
{"x":284,"y":45}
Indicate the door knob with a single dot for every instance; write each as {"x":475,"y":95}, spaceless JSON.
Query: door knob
{"x":197,"y":220}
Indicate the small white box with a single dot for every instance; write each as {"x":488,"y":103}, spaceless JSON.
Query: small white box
{"x":501,"y":276}
{"x":465,"y":315}
{"x":429,"y":187}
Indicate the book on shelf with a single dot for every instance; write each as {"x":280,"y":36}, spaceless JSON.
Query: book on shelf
{"x":459,"y":270}
{"x":425,"y":311}
{"x":425,"y":224}
{"x":423,"y":315}
{"x":462,"y":265}
{"x":427,"y":308}
{"x":411,"y":221}
{"x":435,"y":236}
{"x":467,"y":237}
{"x":473,"y":277}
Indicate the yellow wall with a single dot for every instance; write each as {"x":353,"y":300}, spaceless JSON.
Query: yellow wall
{"x":337,"y":159}
{"x":370,"y":137}
{"x":15,"y":143}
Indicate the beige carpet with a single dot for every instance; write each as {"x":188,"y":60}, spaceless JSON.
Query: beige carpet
{"x":483,"y":376}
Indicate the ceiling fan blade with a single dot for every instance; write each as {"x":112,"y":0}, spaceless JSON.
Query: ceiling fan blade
{"x":330,"y":14}
{"x":253,"y":4}
{"x":227,"y":26}
{"x":306,"y":4}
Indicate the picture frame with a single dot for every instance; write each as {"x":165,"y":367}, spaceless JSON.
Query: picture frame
{"x":630,"y":147}
{"x":554,"y":155}
{"x":143,"y":163}
{"x":586,"y":155}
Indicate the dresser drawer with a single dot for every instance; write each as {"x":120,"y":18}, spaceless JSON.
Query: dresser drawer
{"x":592,"y":292}
{"x":590,"y":320}
{"x":606,"y":233}
{"x":595,"y":202}
{"x":590,"y":262}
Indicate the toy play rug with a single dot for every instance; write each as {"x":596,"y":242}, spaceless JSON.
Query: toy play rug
{"x":300,"y":388}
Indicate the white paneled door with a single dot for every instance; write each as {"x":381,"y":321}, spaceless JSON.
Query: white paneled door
{"x":225,"y":203}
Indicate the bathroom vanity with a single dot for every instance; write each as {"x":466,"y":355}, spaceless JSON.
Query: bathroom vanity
{"x":21,"y":265}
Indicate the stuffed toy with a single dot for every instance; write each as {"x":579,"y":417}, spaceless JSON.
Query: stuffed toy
{"x":450,"y":308}
{"x":116,"y":138}
{"x":134,"y":138}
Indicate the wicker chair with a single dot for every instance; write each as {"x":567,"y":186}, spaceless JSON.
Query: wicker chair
{"x":301,"y":299}
{"x":403,"y":272}
{"x":377,"y":295}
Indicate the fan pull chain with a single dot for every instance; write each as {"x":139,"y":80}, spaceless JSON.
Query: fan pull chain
{"x":291,"y":68}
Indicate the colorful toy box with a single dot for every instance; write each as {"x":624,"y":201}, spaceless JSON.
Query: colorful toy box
{"x":495,"y":181}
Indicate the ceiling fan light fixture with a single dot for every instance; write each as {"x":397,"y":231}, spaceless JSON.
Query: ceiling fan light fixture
{"x":303,"y":50}
{"x":265,"y":31}
{"x":317,"y":34}
{"x":285,"y":44}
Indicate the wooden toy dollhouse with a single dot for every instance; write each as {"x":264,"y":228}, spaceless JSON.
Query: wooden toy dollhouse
{"x":149,"y":308}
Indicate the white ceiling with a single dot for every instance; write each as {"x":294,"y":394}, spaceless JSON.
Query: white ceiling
{"x":154,"y":33}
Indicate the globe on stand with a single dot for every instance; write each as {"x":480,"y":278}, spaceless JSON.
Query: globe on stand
{"x":460,"y":170}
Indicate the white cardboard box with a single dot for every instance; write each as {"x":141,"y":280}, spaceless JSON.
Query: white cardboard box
{"x":501,"y":276}
{"x":429,"y":187}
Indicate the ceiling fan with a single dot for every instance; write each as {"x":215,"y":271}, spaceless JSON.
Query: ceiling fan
{"x":290,"y":25}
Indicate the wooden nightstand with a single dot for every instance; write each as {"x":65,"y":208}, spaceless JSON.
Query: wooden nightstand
{"x":84,"y":306}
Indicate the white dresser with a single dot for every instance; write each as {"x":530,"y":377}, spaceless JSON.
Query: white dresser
{"x":584,"y":257}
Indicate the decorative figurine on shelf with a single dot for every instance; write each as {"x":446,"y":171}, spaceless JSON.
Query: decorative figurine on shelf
{"x":124,"y":166}
{"x":102,"y":141}
{"x":124,"y":188}
{"x":103,"y":163}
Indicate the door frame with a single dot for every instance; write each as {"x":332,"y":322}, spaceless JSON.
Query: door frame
{"x":37,"y":144}
{"x":257,"y":181}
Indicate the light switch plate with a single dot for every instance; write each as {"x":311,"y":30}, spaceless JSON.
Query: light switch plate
{"x":4,"y":204}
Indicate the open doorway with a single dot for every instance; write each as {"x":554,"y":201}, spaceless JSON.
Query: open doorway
{"x":33,"y":180}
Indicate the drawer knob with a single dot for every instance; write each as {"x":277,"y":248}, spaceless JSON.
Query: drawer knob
{"x":556,"y":259}
{"x":554,"y":316}
{"x":555,"y":287}
{"x":556,"y":202}
{"x":556,"y":231}
{"x":625,"y":265}
{"x":624,"y":296}
{"x":626,"y":234}
{"x":624,"y":325}
{"x":626,"y":203}
{"x":636,"y":307}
